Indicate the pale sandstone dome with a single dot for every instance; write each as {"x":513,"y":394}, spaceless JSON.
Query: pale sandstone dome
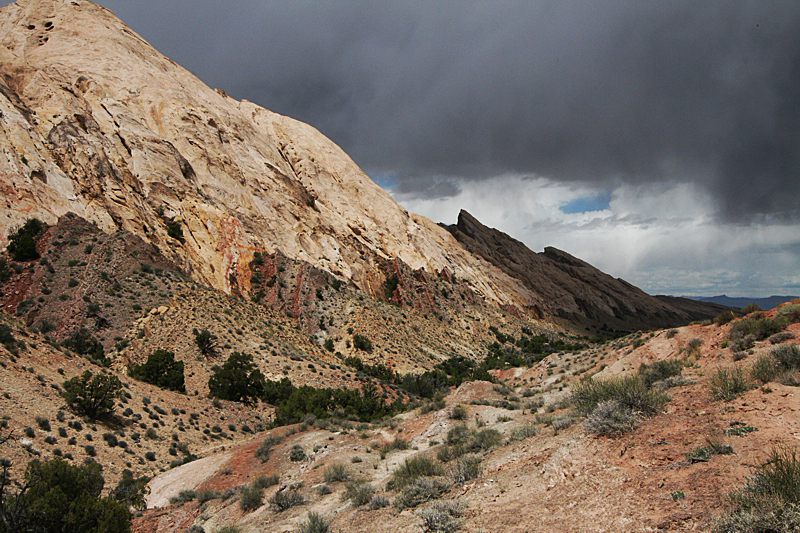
{"x":96,"y":122}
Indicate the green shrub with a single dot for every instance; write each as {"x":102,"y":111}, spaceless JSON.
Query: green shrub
{"x":713,"y":447}
{"x":297,"y":454}
{"x":359,"y":492}
{"x":335,"y":473}
{"x":43,"y":423}
{"x":610,"y":419}
{"x":284,"y":499}
{"x":360,"y":342}
{"x":787,"y":357}
{"x":486,"y":440}
{"x":769,"y":501}
{"x":441,"y":517}
{"x":458,"y":435}
{"x":161,"y":370}
{"x":751,"y":308}
{"x":420,"y":491}
{"x":777,"y":338}
{"x":64,"y":498}
{"x":780,"y":361}
{"x":22,"y":243}
{"x":630,"y":392}
{"x":82,"y":342}
{"x":206,"y":342}
{"x":728,"y":383}
{"x":724,"y":317}
{"x":92,"y":396}
{"x":790,"y":312}
{"x":262,"y":452}
{"x":764,"y":369}
{"x":262,"y":482}
{"x":131,"y":491}
{"x":252,"y":498}
{"x":183,"y":496}
{"x":413,"y":469}
{"x":523,"y":432}
{"x":659,"y":370}
{"x":465,"y":468}
{"x":204,"y":496}
{"x":760,"y":327}
{"x":378,"y":502}
{"x":175,"y":230}
{"x":238,"y":380}
{"x":314,"y":524}
{"x":458,"y":413}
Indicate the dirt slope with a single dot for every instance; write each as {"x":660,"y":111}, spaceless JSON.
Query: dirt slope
{"x":563,"y":480}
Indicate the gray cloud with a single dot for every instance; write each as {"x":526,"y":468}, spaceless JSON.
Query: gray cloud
{"x":599,"y":92}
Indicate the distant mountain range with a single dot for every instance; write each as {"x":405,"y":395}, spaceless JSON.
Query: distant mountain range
{"x":764,"y":303}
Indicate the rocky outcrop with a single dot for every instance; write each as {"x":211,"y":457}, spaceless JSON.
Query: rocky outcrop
{"x":94,"y":121}
{"x":566,"y":287}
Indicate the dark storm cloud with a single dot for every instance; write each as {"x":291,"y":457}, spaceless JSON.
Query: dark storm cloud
{"x":602,"y":92}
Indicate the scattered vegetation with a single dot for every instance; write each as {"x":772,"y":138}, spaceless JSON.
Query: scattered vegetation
{"x":285,"y":499}
{"x":714,"y":446}
{"x":422,"y":490}
{"x":757,"y":325}
{"x":57,"y":496}
{"x":413,"y":469}
{"x":22,"y":243}
{"x":82,"y":342}
{"x":262,"y":452}
{"x":769,"y":500}
{"x":441,"y":517}
{"x":93,"y":395}
{"x":314,"y":524}
{"x":359,"y":492}
{"x":780,"y":362}
{"x":252,"y":498}
{"x":335,"y":473}
{"x":206,"y":342}
{"x":728,"y":383}
{"x":161,"y":370}
{"x":238,"y":380}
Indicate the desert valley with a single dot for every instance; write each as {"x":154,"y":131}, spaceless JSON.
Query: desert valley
{"x":213,"y":321}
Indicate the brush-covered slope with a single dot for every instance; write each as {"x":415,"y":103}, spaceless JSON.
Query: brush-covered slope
{"x":94,"y":121}
{"x":568,"y":288}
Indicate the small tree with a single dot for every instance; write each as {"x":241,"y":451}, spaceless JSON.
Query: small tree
{"x":131,"y":491}
{"x":57,"y":496}
{"x":238,"y":380}
{"x":22,"y":243}
{"x":175,"y":230}
{"x":206,"y":341}
{"x":360,"y":342}
{"x":92,"y":396}
{"x":84,"y":343}
{"x":161,"y":370}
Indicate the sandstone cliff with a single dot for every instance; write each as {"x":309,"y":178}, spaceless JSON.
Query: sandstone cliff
{"x":94,"y":121}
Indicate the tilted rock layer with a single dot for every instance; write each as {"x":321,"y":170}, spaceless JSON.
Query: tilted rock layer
{"x":96,"y":122}
{"x":573,"y":289}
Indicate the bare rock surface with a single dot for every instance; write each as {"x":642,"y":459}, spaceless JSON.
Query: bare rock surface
{"x":567,"y":287}
{"x":94,"y":121}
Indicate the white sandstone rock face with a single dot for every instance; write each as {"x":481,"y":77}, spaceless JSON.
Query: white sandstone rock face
{"x":97,"y":122}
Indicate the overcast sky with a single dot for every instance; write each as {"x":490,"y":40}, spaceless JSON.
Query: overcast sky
{"x":658,"y":140}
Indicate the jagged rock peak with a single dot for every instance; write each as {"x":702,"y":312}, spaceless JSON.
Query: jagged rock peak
{"x":566,"y":287}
